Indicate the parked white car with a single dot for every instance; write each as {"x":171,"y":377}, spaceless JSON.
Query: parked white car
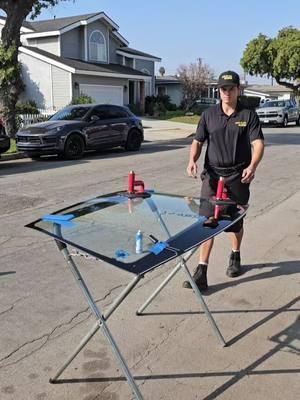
{"x":279,"y":112}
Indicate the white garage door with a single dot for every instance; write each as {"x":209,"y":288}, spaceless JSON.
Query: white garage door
{"x":104,"y":94}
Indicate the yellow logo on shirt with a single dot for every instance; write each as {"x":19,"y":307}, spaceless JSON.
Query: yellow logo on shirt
{"x":241,"y":124}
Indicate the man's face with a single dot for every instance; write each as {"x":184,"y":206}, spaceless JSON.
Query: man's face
{"x":229,"y":94}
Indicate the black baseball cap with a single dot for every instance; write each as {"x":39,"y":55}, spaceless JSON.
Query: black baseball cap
{"x":229,"y":78}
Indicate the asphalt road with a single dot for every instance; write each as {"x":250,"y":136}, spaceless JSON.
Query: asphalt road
{"x":172,"y":352}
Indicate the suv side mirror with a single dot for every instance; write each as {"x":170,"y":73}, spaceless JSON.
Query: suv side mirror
{"x":94,"y":118}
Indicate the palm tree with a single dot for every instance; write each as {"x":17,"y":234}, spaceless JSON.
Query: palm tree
{"x":162,"y":71}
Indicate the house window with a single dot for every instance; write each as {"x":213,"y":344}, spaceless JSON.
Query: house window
{"x":148,"y":90}
{"x":97,"y":46}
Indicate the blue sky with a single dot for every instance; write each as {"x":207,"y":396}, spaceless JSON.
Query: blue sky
{"x":179,"y":32}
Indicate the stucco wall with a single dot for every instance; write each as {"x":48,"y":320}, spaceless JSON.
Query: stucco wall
{"x":36,"y":75}
{"x":61,"y":87}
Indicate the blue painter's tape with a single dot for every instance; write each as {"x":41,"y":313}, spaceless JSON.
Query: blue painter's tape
{"x":63,"y":220}
{"x":58,"y":217}
{"x":121,"y":253}
{"x":158,"y":247}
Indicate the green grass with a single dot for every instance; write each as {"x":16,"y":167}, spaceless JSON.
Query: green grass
{"x":179,"y":116}
{"x":13,"y":147}
{"x":191,"y":119}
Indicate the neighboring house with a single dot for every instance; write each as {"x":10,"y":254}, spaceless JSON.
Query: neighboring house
{"x":269,"y":92}
{"x":171,"y":86}
{"x":66,"y":56}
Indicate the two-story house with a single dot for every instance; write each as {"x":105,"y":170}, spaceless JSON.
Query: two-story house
{"x":64,"y":57}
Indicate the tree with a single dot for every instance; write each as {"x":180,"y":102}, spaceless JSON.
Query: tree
{"x":194,"y":78}
{"x":162,"y":71}
{"x":11,"y":84}
{"x":278,"y":57}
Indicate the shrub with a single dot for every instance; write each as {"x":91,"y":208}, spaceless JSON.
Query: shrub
{"x":159,"y":109}
{"x":28,"y":107}
{"x":149,"y":104}
{"x":164,"y":101}
{"x":135,"y":108}
{"x":82,"y":99}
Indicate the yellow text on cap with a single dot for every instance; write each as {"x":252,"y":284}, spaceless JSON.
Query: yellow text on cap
{"x":227,"y":77}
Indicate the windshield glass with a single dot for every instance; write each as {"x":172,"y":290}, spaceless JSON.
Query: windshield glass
{"x":206,"y":100}
{"x":70,"y":113}
{"x":274,"y":104}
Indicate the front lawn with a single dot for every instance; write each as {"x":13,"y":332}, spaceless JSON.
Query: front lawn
{"x":13,"y":147}
{"x":179,"y":116}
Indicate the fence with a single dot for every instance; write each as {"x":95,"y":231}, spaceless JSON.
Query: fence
{"x":27,"y":119}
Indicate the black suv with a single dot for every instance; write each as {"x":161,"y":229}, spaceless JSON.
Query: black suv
{"x":75,"y":129}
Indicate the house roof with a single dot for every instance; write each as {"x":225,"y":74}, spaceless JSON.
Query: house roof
{"x":25,"y":24}
{"x":56,"y":24}
{"x":135,"y":52}
{"x":167,"y":79}
{"x":268,"y":89}
{"x":85,"y":66}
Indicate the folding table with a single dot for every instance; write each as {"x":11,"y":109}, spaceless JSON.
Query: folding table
{"x":105,"y":228}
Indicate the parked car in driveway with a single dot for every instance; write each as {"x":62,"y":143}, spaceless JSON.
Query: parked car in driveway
{"x":77,"y":128}
{"x":279,"y":112}
{"x":4,"y":139}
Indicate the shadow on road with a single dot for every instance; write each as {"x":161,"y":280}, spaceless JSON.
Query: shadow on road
{"x":284,"y":341}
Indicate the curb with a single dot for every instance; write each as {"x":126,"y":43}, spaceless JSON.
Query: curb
{"x":13,"y":156}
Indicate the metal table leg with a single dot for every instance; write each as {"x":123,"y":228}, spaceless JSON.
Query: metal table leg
{"x":101,"y":324}
{"x":181,"y":264}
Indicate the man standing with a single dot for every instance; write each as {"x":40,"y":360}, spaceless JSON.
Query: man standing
{"x":235,"y":146}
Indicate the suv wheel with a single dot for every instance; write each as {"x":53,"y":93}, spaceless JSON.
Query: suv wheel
{"x":298,"y":121}
{"x":74,"y":147}
{"x":134,"y":140}
{"x":285,"y":121}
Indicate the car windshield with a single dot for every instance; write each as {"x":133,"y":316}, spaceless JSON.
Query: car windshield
{"x":70,"y":113}
{"x":206,"y":100}
{"x":273,"y":104}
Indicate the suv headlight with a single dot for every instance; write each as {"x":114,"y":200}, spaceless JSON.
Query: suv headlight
{"x":54,"y":130}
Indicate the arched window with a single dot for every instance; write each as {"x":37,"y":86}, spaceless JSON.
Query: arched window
{"x":148,"y":87}
{"x":97,"y":46}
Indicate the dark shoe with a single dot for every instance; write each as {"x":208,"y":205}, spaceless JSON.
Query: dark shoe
{"x":234,"y":268}
{"x":200,"y":278}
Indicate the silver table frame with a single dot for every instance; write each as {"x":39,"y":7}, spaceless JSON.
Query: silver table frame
{"x":102,"y":317}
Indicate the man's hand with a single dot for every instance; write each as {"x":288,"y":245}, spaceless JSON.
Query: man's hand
{"x":192,"y":169}
{"x":248,"y":175}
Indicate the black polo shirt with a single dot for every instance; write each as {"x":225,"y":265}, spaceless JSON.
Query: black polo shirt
{"x":228,"y":137}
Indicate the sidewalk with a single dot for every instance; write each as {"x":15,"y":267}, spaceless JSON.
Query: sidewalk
{"x":166,"y":130}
